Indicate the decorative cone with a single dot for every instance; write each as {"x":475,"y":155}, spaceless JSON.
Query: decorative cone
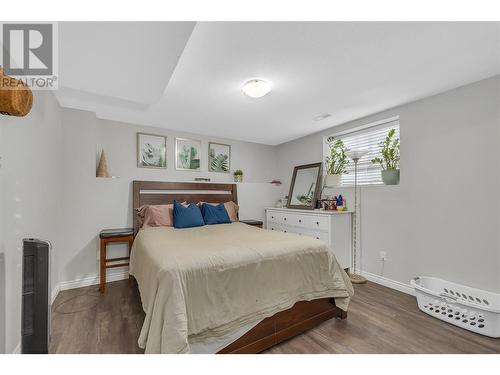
{"x":102,"y":168}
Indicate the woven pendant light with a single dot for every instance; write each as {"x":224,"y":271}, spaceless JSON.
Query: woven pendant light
{"x":15,"y":98}
{"x":102,"y":168}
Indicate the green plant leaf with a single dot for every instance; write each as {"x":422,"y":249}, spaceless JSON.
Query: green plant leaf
{"x":219,"y":163}
{"x":389,"y":152}
{"x":337,"y":161}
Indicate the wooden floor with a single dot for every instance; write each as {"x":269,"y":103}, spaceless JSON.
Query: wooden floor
{"x":380,"y":320}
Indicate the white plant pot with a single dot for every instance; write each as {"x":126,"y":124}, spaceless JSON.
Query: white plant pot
{"x":333,"y":180}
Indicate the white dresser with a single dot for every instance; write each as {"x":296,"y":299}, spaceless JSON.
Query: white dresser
{"x":332,"y":227}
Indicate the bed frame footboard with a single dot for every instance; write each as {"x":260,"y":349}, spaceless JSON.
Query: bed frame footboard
{"x":284,"y":325}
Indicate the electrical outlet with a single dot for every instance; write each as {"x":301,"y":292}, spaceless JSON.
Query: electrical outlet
{"x":383,"y":255}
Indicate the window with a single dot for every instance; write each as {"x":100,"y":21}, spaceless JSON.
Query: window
{"x":365,"y":137}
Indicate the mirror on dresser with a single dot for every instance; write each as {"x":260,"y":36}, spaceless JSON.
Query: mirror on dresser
{"x":304,"y":187}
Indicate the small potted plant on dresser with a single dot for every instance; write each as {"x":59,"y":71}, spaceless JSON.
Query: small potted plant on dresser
{"x":238,"y":175}
{"x":336,"y":163}
{"x":390,"y":159}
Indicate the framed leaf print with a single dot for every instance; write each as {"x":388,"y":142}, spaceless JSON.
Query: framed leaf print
{"x":151,"y":151}
{"x":187,"y":154}
{"x":219,"y":157}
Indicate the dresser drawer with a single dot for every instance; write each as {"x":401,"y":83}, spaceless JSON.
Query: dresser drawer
{"x":273,"y":226}
{"x":296,"y":220}
{"x":305,"y":221}
{"x":319,"y":235}
{"x":280,"y":228}
{"x":282,"y":218}
{"x":321,"y":223}
{"x":273,"y":217}
{"x":323,"y":236}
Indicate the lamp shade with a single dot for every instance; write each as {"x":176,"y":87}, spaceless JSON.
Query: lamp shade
{"x":356,"y":154}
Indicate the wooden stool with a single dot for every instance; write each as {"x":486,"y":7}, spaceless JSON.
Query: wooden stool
{"x":124,"y":235}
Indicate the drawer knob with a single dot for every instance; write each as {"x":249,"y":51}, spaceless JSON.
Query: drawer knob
{"x":272,"y":228}
{"x":317,"y":223}
{"x":284,"y":218}
{"x":300,"y":221}
{"x":285,"y":231}
{"x":317,"y":238}
{"x":272,"y":217}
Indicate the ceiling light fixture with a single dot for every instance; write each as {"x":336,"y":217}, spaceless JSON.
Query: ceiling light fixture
{"x":256,"y":88}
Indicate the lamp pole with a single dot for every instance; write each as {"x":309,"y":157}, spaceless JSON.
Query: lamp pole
{"x":355,"y":278}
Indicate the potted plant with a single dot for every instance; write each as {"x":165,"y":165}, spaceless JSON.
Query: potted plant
{"x":336,"y":163}
{"x":238,"y":175}
{"x":390,"y":159}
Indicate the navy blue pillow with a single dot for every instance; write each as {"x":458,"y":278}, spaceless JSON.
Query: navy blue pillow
{"x":187,"y":217}
{"x":215,"y":214}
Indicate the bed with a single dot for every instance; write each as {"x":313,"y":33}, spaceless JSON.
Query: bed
{"x":228,"y":288}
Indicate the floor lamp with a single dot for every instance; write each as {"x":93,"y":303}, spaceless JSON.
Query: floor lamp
{"x":355,"y":155}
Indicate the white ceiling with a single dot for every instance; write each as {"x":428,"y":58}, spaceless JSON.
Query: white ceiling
{"x":118,"y":64}
{"x":129,"y":71}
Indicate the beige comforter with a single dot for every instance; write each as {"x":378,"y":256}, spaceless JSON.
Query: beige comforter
{"x":210,"y":280}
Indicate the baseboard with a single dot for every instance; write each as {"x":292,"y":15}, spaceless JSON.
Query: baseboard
{"x":17,"y":349}
{"x":393,"y":284}
{"x":86,"y":281}
{"x":92,"y":280}
{"x":54,"y":293}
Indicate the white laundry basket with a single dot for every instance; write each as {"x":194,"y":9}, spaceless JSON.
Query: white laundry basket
{"x":469,"y":308}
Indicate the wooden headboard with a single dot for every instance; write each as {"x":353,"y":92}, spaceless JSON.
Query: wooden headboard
{"x":158,"y":192}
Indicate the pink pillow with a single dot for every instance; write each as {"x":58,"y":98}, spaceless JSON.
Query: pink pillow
{"x":156,"y":215}
{"x":231,"y":208}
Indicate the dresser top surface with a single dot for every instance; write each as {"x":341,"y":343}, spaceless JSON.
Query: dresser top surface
{"x":316,"y":212}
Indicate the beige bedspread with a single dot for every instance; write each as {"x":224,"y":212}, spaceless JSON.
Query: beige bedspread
{"x":210,"y":280}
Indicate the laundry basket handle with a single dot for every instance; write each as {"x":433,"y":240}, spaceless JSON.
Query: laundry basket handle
{"x":448,"y":298}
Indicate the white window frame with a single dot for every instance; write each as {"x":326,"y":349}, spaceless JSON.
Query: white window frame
{"x":367,"y":127}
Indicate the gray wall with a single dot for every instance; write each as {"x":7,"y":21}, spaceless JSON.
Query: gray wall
{"x":91,"y":204}
{"x":443,"y":219}
{"x":30,"y":200}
